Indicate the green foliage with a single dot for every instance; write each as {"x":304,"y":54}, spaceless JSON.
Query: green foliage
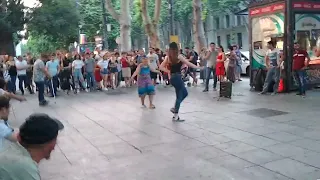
{"x":219,"y":6}
{"x":182,"y":10}
{"x":55,"y":19}
{"x":43,"y":43}
{"x":12,"y":16}
{"x":136,"y":14}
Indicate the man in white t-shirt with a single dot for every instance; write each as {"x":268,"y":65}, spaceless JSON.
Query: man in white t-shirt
{"x":154,"y":63}
{"x":22,"y":66}
{"x":272,"y":60}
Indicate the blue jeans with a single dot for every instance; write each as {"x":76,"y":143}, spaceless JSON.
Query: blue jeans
{"x":40,"y":86}
{"x":273,"y":74}
{"x":181,"y":91}
{"x":91,"y":81}
{"x":208,"y":74}
{"x":53,"y":83}
{"x":12,"y":84}
{"x":300,"y":77}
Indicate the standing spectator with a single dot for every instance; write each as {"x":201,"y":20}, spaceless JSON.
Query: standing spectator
{"x":90,"y":65}
{"x":39,"y":74}
{"x":231,"y":65}
{"x":22,"y":67}
{"x":37,"y":138}
{"x":299,"y":66}
{"x":160,"y":55}
{"x":192,"y":57}
{"x":211,"y":58}
{"x":12,"y":70}
{"x":220,"y":69}
{"x":30,"y":62}
{"x":154,"y":64}
{"x":238,"y":69}
{"x":53,"y":69}
{"x":126,"y":70}
{"x":272,"y":60}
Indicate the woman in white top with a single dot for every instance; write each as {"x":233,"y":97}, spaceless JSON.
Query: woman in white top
{"x":103,"y":65}
{"x":77,"y":65}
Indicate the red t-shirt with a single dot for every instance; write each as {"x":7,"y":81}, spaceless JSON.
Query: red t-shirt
{"x":299,"y":58}
{"x":124,"y":63}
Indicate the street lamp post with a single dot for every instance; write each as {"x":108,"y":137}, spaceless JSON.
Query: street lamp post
{"x":104,"y":26}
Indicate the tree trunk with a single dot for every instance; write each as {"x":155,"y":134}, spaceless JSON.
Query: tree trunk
{"x":151,"y":27}
{"x":124,"y":20}
{"x":125,"y":26}
{"x":198,"y":30}
{"x":6,"y":44}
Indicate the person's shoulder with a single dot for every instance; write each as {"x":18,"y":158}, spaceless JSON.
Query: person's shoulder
{"x":18,"y":166}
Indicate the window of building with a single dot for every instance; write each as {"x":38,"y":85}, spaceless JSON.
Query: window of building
{"x":219,"y":40}
{"x":217,"y":23}
{"x":228,"y":40}
{"x":239,"y":22}
{"x":239,"y":37}
{"x":227,"y":21}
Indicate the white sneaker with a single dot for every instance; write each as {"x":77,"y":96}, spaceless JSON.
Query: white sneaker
{"x":175,"y":117}
{"x":105,"y":89}
{"x":87,"y":90}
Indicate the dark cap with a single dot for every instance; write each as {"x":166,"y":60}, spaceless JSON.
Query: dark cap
{"x":39,"y":128}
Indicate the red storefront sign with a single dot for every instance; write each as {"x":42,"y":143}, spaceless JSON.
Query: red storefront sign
{"x":267,"y":9}
{"x":306,"y":5}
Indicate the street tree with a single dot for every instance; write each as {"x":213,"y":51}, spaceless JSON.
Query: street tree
{"x":151,"y":25}
{"x":124,"y":19}
{"x":54,"y":21}
{"x":198,"y":29}
{"x":12,"y":20}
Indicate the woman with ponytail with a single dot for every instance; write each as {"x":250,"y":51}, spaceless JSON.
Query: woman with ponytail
{"x":174,"y":62}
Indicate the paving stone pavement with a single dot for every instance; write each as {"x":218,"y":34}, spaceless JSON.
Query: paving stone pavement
{"x":249,"y":137}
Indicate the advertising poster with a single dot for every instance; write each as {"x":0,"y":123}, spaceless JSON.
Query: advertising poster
{"x":264,"y":29}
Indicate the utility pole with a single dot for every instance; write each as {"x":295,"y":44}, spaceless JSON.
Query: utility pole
{"x":104,"y":25}
{"x":171,"y":18}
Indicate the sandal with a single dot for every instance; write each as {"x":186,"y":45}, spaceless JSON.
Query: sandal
{"x":152,"y":106}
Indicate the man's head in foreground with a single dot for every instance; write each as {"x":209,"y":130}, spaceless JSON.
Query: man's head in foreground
{"x":38,"y":135}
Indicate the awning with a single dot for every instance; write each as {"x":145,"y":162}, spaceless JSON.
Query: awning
{"x":243,"y":12}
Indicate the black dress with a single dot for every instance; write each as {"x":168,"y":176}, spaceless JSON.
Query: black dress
{"x":65,"y":75}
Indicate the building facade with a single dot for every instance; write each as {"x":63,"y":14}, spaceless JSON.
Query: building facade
{"x":228,"y":29}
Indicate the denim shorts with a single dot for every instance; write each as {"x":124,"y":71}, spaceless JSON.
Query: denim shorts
{"x":104,"y":71}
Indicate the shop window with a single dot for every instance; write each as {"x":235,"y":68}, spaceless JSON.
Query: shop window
{"x":217,"y":23}
{"x":228,"y":40}
{"x":239,"y":22}
{"x":239,"y":38}
{"x":227,"y":21}
{"x":219,"y":40}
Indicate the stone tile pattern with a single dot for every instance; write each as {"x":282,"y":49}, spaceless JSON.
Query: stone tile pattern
{"x":108,"y":136}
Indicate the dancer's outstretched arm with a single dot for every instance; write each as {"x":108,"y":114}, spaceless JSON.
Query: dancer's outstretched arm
{"x":163,"y":65}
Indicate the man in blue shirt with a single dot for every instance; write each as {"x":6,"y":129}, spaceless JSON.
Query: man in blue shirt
{"x":53,"y":69}
{"x":6,"y":132}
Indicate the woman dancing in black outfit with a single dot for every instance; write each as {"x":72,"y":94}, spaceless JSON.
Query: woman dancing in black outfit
{"x":174,"y":62}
